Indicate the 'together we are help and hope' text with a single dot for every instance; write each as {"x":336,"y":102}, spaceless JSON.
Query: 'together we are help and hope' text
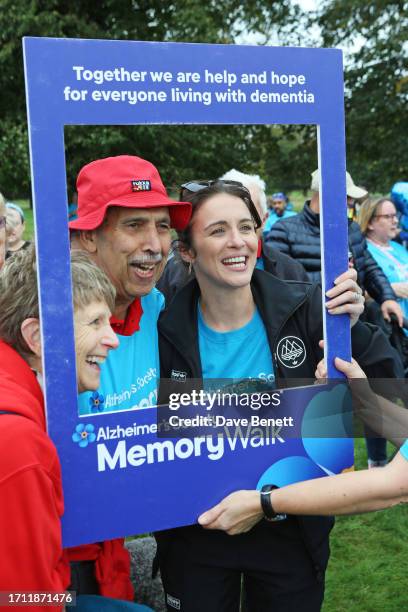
{"x":158,"y":86}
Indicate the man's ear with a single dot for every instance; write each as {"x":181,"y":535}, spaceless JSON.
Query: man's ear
{"x":87,"y":239}
{"x":187,"y":255}
{"x":30,"y":330}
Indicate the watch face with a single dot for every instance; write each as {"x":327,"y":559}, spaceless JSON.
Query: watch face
{"x":278,"y":517}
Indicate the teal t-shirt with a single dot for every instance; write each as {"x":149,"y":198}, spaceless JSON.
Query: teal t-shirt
{"x":235,"y":355}
{"x":393,"y":261}
{"x":273,"y":218}
{"x":404,"y":450}
{"x":260,"y":264}
{"x":129,"y":375}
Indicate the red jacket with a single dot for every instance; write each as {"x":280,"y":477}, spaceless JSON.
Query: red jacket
{"x":31,"y":500}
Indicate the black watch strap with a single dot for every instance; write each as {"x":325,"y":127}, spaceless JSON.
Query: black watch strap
{"x":266,"y":504}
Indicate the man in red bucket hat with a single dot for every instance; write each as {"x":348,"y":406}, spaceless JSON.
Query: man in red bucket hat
{"x":124,"y":222}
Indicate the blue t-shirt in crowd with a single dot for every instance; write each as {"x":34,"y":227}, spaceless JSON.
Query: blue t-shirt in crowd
{"x":404,"y":450}
{"x":130,"y":373}
{"x":273,"y":218}
{"x":260,"y":264}
{"x":235,"y":355}
{"x":393,"y":260}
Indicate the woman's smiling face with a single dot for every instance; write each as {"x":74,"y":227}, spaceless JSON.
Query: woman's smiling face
{"x":94,"y":338}
{"x":224,"y":242}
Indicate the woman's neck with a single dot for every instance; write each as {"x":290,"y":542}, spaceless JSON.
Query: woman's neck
{"x":378,"y":241}
{"x":226,"y":310}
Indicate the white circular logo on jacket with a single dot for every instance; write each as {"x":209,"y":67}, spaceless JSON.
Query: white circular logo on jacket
{"x":291,"y":351}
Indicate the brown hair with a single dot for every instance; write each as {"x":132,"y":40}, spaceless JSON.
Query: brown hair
{"x":199,"y":197}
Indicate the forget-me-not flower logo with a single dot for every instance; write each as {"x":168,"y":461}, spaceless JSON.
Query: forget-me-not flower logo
{"x":97,"y":402}
{"x":84,"y":435}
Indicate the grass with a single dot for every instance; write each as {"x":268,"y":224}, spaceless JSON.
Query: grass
{"x":29,"y":221}
{"x":369,"y":552}
{"x":369,"y":556}
{"x":298,"y":198}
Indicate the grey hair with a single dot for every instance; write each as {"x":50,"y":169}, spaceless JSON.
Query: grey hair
{"x":19,"y":296}
{"x":247,"y":180}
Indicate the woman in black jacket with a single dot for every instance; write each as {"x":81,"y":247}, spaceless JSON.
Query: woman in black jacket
{"x":232,"y":322}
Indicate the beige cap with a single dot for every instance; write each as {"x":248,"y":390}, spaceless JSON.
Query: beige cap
{"x":352,"y":190}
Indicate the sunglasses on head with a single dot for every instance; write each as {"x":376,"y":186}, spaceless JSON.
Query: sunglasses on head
{"x":196,"y":186}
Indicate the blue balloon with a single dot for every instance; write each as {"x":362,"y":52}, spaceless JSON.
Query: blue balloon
{"x":327,"y":430}
{"x":289,"y":470}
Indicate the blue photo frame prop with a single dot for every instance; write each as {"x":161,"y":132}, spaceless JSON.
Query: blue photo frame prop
{"x":96,"y":82}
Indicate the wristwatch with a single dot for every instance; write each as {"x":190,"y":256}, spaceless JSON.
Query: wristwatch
{"x":266,"y":504}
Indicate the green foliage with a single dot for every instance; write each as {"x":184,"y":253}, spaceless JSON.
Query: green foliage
{"x":376,"y":81}
{"x":373,"y":34}
{"x":180,"y":152}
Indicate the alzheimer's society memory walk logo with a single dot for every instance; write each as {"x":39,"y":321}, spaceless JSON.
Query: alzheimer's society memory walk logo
{"x":291,"y":351}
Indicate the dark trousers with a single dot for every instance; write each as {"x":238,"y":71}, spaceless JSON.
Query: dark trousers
{"x":206,"y":571}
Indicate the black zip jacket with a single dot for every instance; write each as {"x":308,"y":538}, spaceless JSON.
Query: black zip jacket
{"x":287,"y":308}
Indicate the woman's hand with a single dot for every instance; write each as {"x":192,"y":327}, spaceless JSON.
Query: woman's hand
{"x":390,"y":307}
{"x":349,"y":369}
{"x":236,"y":513}
{"x":346,"y":296}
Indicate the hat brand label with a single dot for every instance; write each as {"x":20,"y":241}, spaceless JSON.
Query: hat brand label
{"x":141,"y":185}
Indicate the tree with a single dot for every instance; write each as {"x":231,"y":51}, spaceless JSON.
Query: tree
{"x":374,"y":34}
{"x":154,"y":20}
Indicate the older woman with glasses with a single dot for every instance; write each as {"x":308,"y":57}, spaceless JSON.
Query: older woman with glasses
{"x":379,"y":223}
{"x":227,"y":323}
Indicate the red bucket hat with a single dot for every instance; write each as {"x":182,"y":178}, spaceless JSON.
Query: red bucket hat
{"x":126,"y":181}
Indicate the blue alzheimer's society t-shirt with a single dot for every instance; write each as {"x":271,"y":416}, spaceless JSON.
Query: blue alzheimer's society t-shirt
{"x":235,"y":355}
{"x":393,"y":260}
{"x":404,"y":450}
{"x":129,"y":376}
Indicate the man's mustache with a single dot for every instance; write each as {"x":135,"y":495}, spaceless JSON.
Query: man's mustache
{"x":147,"y":258}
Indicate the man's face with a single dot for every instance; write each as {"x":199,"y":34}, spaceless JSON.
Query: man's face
{"x":279,"y":205}
{"x":131,"y":247}
{"x":15,"y":228}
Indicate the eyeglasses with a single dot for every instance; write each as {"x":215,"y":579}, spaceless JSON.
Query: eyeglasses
{"x":196,"y":186}
{"x":388,"y":217}
{"x":2,"y":222}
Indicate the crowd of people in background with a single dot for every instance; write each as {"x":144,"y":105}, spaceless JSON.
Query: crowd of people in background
{"x":290,"y":249}
{"x":199,"y":307}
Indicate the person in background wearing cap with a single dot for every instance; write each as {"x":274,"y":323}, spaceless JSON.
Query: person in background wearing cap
{"x":124,"y":219}
{"x":278,"y":209}
{"x":15,"y":229}
{"x":299,"y":237}
{"x":2,"y":231}
{"x":177,"y":271}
